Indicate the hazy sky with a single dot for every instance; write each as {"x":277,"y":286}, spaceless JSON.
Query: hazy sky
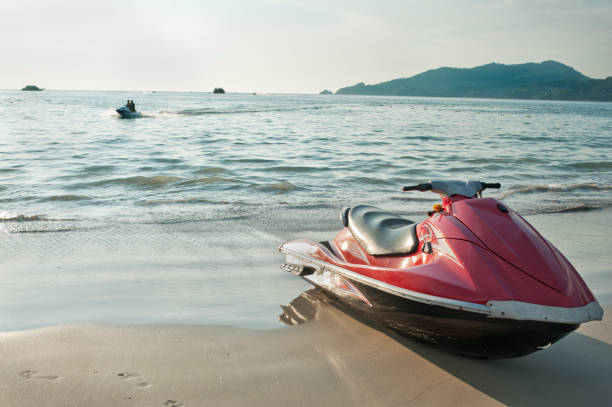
{"x":287,"y":45}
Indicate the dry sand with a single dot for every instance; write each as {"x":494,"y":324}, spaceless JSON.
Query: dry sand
{"x":331,"y":361}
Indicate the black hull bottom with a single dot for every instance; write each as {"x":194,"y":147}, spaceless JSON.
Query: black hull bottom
{"x":460,"y":332}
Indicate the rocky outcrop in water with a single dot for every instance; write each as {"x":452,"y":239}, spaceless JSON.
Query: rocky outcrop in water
{"x":219,"y":90}
{"x":31,"y":88}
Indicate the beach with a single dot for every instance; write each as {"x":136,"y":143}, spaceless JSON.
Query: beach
{"x":325,"y":358}
{"x":334,"y":360}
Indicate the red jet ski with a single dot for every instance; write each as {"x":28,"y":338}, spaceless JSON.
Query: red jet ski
{"x":474,"y":278}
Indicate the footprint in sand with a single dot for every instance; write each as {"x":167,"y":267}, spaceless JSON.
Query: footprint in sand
{"x":33,"y":374}
{"x":140,"y":381}
{"x":172,"y":403}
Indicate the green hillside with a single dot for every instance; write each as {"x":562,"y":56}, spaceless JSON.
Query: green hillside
{"x":545,"y":80}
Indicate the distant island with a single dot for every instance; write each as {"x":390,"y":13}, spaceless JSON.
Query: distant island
{"x":548,"y":80}
{"x":31,"y":87}
{"x":326,"y":92}
{"x":219,"y":90}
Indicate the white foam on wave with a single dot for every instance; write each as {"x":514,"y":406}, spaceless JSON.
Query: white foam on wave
{"x":526,"y":189}
{"x":12,"y":217}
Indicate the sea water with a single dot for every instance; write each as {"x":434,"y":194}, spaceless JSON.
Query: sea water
{"x":175,"y":217}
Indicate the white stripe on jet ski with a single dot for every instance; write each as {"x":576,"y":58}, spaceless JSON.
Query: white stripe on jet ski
{"x":516,"y":310}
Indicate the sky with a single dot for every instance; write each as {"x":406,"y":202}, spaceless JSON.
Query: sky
{"x":287,"y":46}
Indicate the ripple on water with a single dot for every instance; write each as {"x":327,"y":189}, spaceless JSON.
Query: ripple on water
{"x":166,"y":160}
{"x":295,"y":169}
{"x":7,"y":170}
{"x":249,"y":160}
{"x":140,"y":181}
{"x":181,"y":201}
{"x":210,"y":171}
{"x":591,"y":165}
{"x":97,"y":169}
{"x":277,"y":187}
{"x":65,"y":198}
{"x":210,"y":180}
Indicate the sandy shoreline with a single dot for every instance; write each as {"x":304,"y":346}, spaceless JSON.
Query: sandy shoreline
{"x":333,"y":360}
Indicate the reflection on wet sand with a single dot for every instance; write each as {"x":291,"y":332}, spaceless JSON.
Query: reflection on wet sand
{"x":575,"y":371}
{"x":304,"y":308}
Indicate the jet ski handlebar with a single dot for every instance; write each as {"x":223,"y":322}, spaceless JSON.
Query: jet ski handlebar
{"x":420,"y":187}
{"x":450,"y":188}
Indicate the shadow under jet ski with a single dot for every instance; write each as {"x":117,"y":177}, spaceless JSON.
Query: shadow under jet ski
{"x":575,"y":370}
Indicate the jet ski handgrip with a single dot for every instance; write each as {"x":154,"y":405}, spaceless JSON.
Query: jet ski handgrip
{"x":495,"y":185}
{"x":419,"y":187}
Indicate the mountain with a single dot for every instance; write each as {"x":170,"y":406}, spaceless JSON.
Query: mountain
{"x":548,"y":80}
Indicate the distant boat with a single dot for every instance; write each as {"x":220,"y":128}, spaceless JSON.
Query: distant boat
{"x":32,"y":87}
{"x":126,"y":113}
{"x":219,"y":90}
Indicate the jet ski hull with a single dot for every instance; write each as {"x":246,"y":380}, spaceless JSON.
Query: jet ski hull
{"x":486,"y":331}
{"x":126,"y":113}
{"x":465,"y":333}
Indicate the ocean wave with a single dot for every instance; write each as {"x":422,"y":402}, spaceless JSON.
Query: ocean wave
{"x":296,"y":169}
{"x":209,"y":180}
{"x":156,"y":181}
{"x":505,"y":160}
{"x":591,"y":166}
{"x":278,"y":187}
{"x":527,"y":189}
{"x":22,"y":218}
{"x":237,"y":110}
{"x":211,"y":170}
{"x":98,"y":169}
{"x":65,"y":198}
{"x":187,"y":220}
{"x":580,"y":207}
{"x":371,"y":181}
{"x":308,"y":206}
{"x":249,"y":160}
{"x":430,"y":198}
{"x":89,"y":171}
{"x":166,"y":160}
{"x":180,"y":201}
{"x":575,"y":208}
{"x":56,"y":230}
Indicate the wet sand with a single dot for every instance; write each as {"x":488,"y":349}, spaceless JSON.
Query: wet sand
{"x":332,"y":360}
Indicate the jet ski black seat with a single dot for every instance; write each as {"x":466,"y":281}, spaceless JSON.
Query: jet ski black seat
{"x":380,"y":232}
